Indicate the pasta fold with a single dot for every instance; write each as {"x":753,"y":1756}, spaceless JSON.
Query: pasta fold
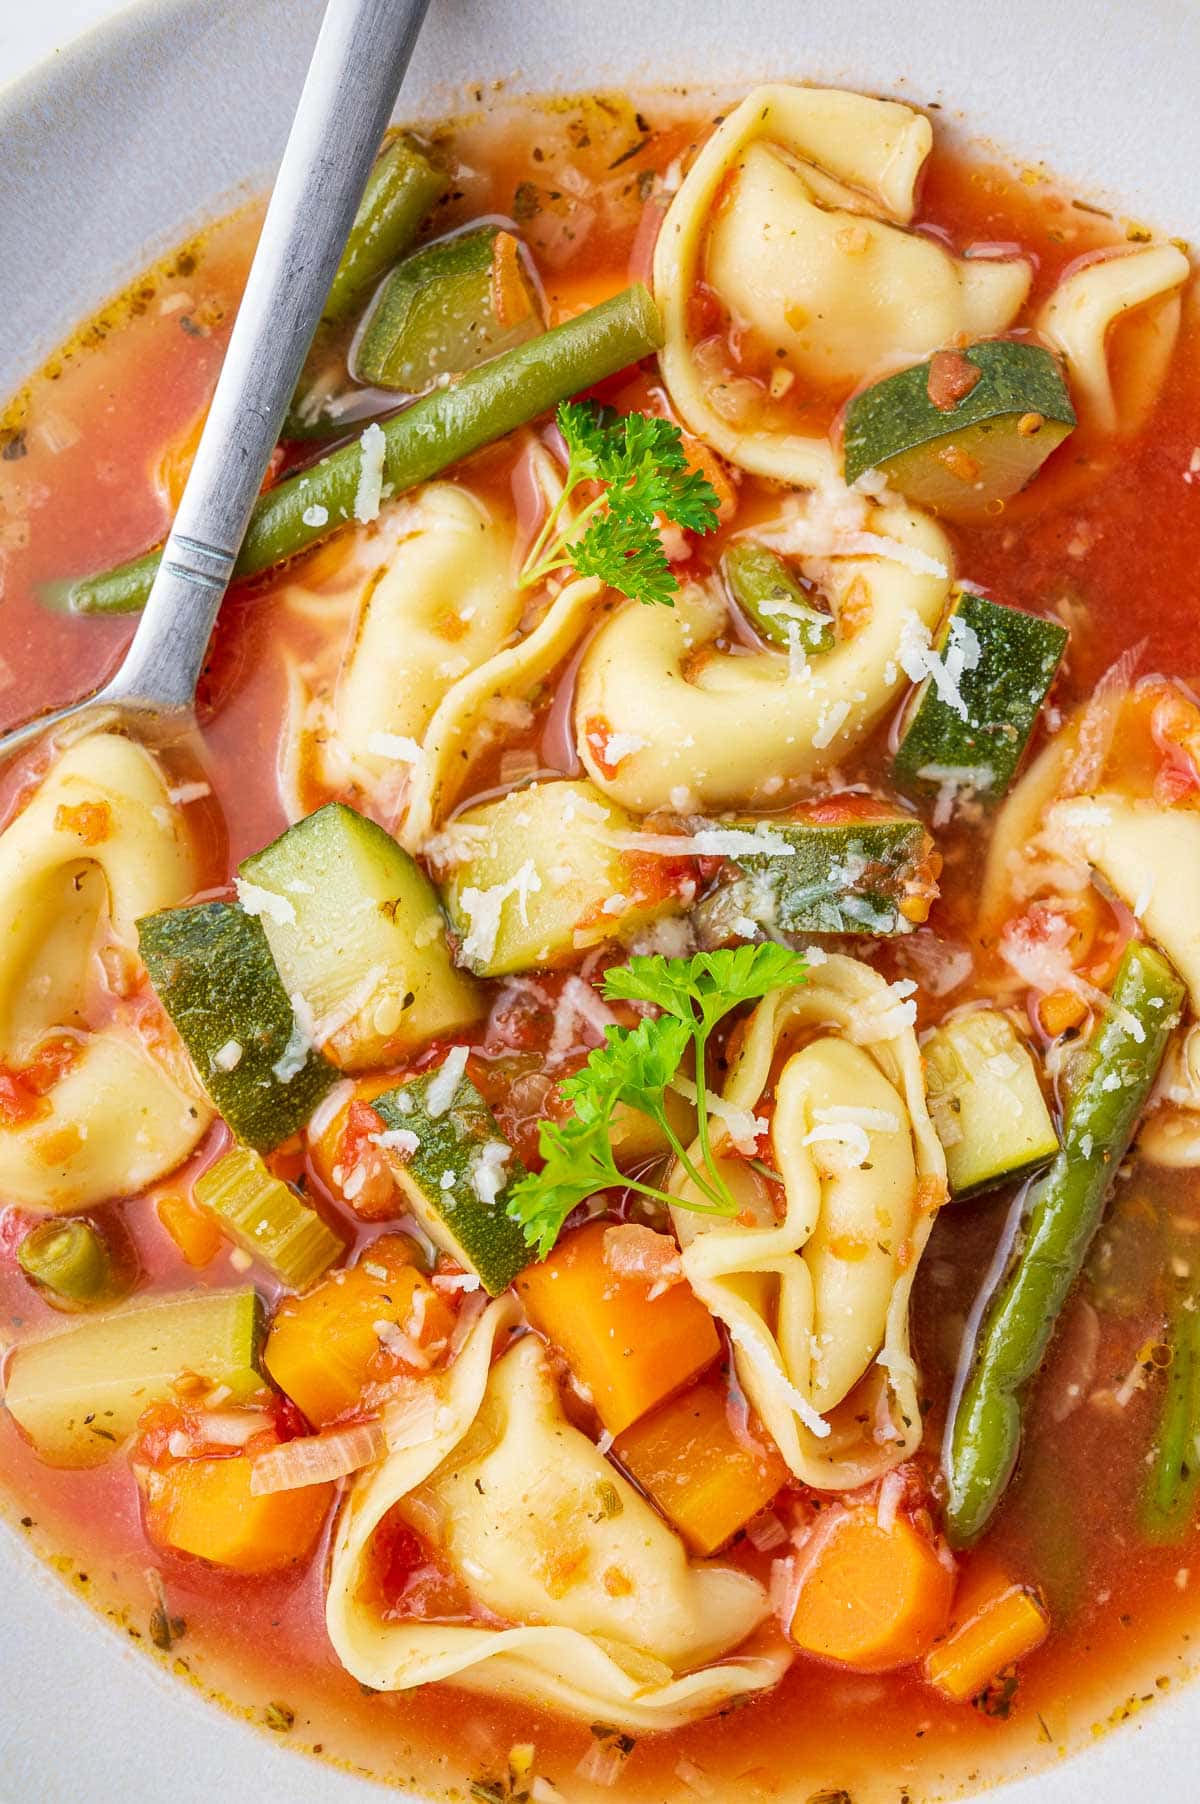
{"x":815,"y":1293}
{"x":792,"y":215}
{"x":531,"y":1518}
{"x":1139,"y":290}
{"x":728,"y":729}
{"x":98,"y":845}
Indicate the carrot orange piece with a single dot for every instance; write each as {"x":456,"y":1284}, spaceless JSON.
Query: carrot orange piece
{"x":871,"y":1598}
{"x":629,"y":1351}
{"x":705,"y":1478}
{"x":206,"y":1507}
{"x":194,"y":1230}
{"x":327,"y":1345}
{"x":996,"y":1623}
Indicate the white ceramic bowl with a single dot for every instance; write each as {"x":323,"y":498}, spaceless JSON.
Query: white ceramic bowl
{"x":113,"y":148}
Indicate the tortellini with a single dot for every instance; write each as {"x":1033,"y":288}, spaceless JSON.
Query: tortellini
{"x":481,"y":705}
{"x":1138,"y":290}
{"x":610,"y":1621}
{"x":100,"y":842}
{"x":791,"y":214}
{"x":444,"y":603}
{"x":700,"y":728}
{"x":1149,"y":855}
{"x":816,"y":1298}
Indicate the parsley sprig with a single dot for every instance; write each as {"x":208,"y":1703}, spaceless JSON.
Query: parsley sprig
{"x":635,"y":1066}
{"x":644,"y":471}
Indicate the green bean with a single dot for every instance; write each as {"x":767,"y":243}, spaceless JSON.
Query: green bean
{"x":437,"y":313}
{"x":442,"y":428}
{"x":1061,"y":1215}
{"x":70,"y":1261}
{"x":1169,"y":1499}
{"x":401,"y":188}
{"x":772,"y":600}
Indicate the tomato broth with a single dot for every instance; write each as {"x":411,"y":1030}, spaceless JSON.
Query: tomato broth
{"x":92,"y":453}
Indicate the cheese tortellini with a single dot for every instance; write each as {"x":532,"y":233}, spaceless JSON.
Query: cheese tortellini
{"x":1137,"y":290}
{"x":815,"y":1294}
{"x":792,"y":214}
{"x":610,"y":1621}
{"x":99,"y":845}
{"x":729,"y":729}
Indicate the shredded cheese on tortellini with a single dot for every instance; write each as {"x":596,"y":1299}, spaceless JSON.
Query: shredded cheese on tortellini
{"x":511,"y":1489}
{"x":816,"y":1298}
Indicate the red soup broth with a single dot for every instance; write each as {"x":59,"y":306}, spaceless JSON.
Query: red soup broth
{"x":90,"y":451}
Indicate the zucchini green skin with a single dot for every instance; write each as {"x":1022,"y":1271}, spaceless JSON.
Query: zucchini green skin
{"x":772,"y":600}
{"x":267,"y":1219}
{"x":359,"y":904}
{"x":479,"y":1235}
{"x":985,"y":1102}
{"x":1169,"y":1499}
{"x":846,"y":878}
{"x":894,"y":427}
{"x":213,"y":971}
{"x":435,"y":315}
{"x":438,"y":430}
{"x":1061,"y":1215}
{"x":1019,"y":656}
{"x":78,"y":1394}
{"x":401,"y":189}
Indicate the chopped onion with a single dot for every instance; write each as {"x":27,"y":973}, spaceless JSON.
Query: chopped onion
{"x":314,"y":1459}
{"x":604,"y":1761}
{"x":231,"y":1427}
{"x":329,"y":1107}
{"x":695,"y":1778}
{"x":542,"y":1792}
{"x":766,"y":1531}
{"x":891,"y":1496}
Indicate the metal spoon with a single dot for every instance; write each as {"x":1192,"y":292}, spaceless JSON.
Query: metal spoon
{"x":357,"y":67}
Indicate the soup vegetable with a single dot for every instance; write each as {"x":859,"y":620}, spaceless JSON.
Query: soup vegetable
{"x":586,"y":1168}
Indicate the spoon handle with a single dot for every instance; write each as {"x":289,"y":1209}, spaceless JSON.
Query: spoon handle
{"x":353,"y":79}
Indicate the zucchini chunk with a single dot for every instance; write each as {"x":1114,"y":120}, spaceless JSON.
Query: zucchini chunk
{"x":964,"y":456}
{"x":875,"y":876}
{"x":214,"y":974}
{"x":543,"y":881}
{"x":448,"y":308}
{"x":78,"y":1395}
{"x":355,"y":928}
{"x":779,"y":610}
{"x":1000,"y":664}
{"x":986,"y":1102}
{"x":456,"y":1170}
{"x":267,"y":1219}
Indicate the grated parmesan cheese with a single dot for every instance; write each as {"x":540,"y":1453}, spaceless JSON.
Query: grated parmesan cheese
{"x":397,"y":746}
{"x":398,"y":1140}
{"x":488,"y":1170}
{"x":483,"y":908}
{"x":315,"y":515}
{"x":445,"y":1081}
{"x":294,"y":1056}
{"x":369,"y":493}
{"x":229,"y":1056}
{"x":258,"y":901}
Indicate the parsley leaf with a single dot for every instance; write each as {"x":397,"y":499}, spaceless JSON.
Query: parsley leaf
{"x":635,"y":1067}
{"x":705,"y":988}
{"x":642,"y":466}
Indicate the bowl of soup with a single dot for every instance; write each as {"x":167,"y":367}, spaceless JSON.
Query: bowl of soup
{"x":596,"y":1163}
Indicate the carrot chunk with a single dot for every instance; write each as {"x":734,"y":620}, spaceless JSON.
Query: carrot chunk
{"x":206,"y":1507}
{"x":360,"y":1325}
{"x":194,"y":1230}
{"x":629,"y":1350}
{"x":996,"y":1623}
{"x":871,"y":1598}
{"x":707,"y":1479}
